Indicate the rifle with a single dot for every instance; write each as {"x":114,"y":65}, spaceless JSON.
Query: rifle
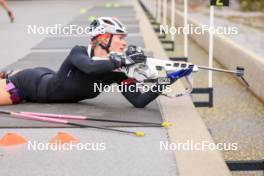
{"x":148,"y":71}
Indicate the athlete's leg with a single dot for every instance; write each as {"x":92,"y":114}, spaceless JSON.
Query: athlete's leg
{"x":30,"y":83}
{"x":9,"y":73}
{"x":45,"y":70}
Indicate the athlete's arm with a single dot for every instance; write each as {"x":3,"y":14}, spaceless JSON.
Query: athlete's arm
{"x":80,"y":59}
{"x":135,"y":97}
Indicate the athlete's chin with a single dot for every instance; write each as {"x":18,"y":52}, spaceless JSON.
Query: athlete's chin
{"x":121,"y":50}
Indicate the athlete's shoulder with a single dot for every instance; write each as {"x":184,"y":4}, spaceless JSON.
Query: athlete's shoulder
{"x":77,"y":52}
{"x":79,"y":48}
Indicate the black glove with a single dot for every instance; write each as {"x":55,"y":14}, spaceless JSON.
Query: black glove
{"x":118,"y":60}
{"x":136,"y":54}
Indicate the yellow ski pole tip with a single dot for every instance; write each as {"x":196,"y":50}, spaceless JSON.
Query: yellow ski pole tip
{"x":108,"y":5}
{"x":166,"y":124}
{"x":83,"y":10}
{"x":139,"y":134}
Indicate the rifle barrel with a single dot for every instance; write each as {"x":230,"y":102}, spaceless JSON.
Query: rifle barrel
{"x":217,"y":69}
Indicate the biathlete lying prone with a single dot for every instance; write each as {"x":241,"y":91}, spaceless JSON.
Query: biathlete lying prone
{"x":82,"y":68}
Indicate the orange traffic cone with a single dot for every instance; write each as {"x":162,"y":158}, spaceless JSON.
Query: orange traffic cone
{"x":62,"y":138}
{"x":12,"y":139}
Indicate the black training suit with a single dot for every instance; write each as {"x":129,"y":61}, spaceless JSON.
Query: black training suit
{"x":74,"y":81}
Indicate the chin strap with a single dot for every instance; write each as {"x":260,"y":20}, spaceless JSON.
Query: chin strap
{"x":108,"y":44}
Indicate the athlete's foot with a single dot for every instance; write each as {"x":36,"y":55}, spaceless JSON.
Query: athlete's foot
{"x":11,"y":16}
{"x":7,"y":74}
{"x":2,"y":75}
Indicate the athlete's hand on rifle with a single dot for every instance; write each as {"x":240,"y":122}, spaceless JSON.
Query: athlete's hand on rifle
{"x":133,"y":56}
{"x":136,"y":54}
{"x":118,"y":59}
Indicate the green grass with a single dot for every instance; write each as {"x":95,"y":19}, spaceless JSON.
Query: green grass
{"x":252,"y":5}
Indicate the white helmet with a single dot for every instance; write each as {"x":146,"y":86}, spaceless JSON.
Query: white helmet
{"x":107,"y":25}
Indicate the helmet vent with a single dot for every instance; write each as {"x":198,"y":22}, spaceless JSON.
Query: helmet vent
{"x":118,"y":23}
{"x":95,"y":23}
{"x":108,"y":22}
{"x":120,"y":31}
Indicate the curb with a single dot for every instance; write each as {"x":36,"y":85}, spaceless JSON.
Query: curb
{"x":189,"y":125}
